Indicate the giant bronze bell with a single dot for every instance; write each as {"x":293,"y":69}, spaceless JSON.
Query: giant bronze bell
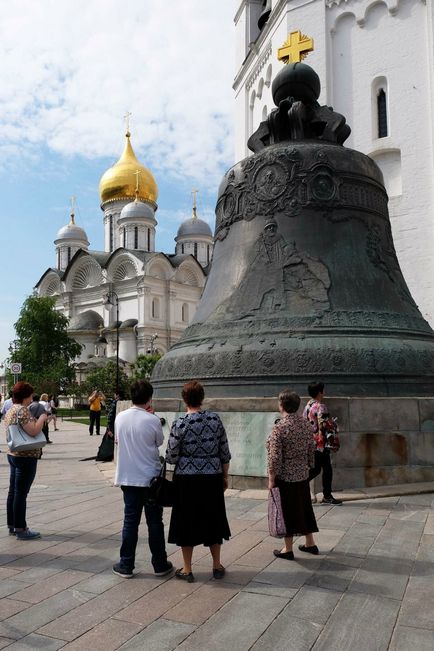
{"x":305,"y":283}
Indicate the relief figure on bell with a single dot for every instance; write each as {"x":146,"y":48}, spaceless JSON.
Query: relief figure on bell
{"x":278,"y":279}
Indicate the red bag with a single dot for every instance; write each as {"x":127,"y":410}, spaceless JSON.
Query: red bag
{"x":276,"y":523}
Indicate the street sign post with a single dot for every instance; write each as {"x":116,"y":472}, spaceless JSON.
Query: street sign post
{"x":16,"y":368}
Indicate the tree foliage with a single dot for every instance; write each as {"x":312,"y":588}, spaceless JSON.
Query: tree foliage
{"x":144,"y":365}
{"x":104,"y":379}
{"x":43,"y":346}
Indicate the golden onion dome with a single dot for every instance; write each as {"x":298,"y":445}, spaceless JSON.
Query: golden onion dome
{"x":128,"y":179}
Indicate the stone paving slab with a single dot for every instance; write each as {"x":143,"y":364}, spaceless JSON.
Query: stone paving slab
{"x":370,"y":587}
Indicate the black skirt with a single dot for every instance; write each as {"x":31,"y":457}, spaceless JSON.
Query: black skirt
{"x":297,"y":507}
{"x":199,"y":512}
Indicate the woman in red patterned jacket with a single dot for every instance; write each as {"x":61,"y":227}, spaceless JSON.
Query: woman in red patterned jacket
{"x":290,"y":449}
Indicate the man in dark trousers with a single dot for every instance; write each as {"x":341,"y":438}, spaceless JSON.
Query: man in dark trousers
{"x":317,"y":414}
{"x":138,"y":435}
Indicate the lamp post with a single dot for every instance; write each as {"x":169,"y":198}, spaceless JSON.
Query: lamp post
{"x":112,"y":299}
{"x":151,"y":349}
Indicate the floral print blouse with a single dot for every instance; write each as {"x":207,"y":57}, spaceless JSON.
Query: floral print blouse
{"x":317,"y":414}
{"x":290,"y":448}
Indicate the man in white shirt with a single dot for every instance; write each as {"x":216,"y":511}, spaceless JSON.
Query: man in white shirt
{"x":138,"y":434}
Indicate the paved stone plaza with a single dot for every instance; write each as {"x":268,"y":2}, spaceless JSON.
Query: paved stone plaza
{"x":372,"y":587}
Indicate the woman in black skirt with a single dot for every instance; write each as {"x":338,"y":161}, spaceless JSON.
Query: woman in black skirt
{"x":198,"y":447}
{"x":290,"y":449}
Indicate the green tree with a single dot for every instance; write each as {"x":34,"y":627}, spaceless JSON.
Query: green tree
{"x":104,"y":379}
{"x":144,"y":365}
{"x":43,"y":346}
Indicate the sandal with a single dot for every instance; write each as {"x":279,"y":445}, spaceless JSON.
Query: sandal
{"x":179,"y":574}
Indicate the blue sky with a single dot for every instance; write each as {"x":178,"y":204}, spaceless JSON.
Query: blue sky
{"x":70,"y":70}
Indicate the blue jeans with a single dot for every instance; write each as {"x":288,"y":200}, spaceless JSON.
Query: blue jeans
{"x":136,"y":499}
{"x":23,"y":471}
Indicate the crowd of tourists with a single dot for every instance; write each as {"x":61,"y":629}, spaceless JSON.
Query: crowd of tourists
{"x":298,"y":448}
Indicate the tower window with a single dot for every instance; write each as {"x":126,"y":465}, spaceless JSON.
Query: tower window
{"x":58,"y":258}
{"x":69,"y":254}
{"x":182,"y":248}
{"x":195,"y":249}
{"x":207,"y":254}
{"x":124,"y":237}
{"x":155,"y":308}
{"x":382,"y":113}
{"x":136,"y":237}
{"x":111,"y":232}
{"x":149,"y":239}
{"x":184,"y":313}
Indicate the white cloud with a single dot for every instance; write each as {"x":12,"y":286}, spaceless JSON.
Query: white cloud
{"x":71,"y":68}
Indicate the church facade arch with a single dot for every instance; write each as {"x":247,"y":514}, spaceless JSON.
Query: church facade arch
{"x":85,"y":273}
{"x":50,"y":285}
{"x":159,"y":267}
{"x":122,"y":266}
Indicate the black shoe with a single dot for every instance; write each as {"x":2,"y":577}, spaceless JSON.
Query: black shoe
{"x":179,"y":574}
{"x":309,"y":550}
{"x":331,"y":500}
{"x":49,"y":441}
{"x":289,"y":556}
{"x":11,"y":531}
{"x":120,"y":571}
{"x":168,"y":570}
{"x":218,"y":572}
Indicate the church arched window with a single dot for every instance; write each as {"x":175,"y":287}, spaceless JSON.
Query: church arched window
{"x":207,"y":253}
{"x":379,"y":106}
{"x":382,"y":113}
{"x":195,"y":249}
{"x":268,"y":75}
{"x":58,"y":258}
{"x":182,"y":248}
{"x":69,"y":254}
{"x":149,"y":239}
{"x":124,"y":237}
{"x":155,"y":308}
{"x":136,"y":237}
{"x":184,"y":313}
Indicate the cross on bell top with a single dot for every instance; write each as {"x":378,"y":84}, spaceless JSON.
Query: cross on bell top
{"x":295,"y":48}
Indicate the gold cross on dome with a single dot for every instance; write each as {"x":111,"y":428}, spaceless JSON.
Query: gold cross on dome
{"x":295,"y":48}
{"x":127,"y":121}
{"x":137,"y":175}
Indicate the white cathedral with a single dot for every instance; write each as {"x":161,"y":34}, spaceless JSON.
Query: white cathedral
{"x":375,"y":61}
{"x":151,"y":296}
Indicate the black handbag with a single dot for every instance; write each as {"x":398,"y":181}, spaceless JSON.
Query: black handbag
{"x":161,"y":489}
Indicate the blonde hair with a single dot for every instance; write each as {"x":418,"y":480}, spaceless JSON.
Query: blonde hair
{"x":44,"y":397}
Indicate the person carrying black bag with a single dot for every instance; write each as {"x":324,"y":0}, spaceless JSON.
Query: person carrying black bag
{"x":138,"y":435}
{"x":106,"y":450}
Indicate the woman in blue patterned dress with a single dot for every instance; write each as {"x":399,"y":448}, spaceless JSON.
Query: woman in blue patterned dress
{"x":198,"y":447}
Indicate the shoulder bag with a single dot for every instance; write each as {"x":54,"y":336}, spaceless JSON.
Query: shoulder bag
{"x":276,"y":523}
{"x":19,"y":441}
{"x":161,"y":489}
